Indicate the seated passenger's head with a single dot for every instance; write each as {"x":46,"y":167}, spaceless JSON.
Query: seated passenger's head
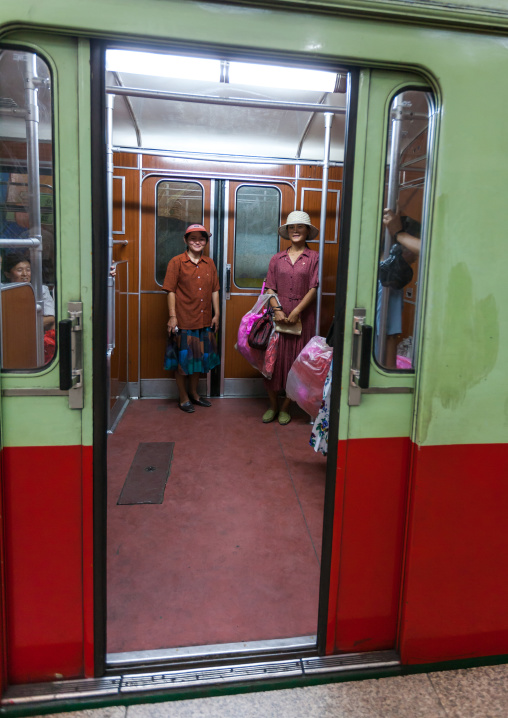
{"x":16,"y":268}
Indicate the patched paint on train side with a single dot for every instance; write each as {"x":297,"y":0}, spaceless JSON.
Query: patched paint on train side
{"x":463,"y":316}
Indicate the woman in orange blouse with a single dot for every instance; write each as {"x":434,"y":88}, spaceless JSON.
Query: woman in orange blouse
{"x":193,"y":289}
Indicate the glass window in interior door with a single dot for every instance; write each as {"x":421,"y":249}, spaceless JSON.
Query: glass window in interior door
{"x":27,"y":229}
{"x":178,"y":205}
{"x":400,"y":250}
{"x":257,"y":215}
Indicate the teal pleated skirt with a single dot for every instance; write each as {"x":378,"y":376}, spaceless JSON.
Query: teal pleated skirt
{"x":192,"y":351}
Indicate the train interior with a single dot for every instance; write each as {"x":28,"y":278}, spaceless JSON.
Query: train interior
{"x":228,"y":561}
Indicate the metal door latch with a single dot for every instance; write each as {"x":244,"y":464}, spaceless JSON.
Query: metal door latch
{"x":361,"y":347}
{"x":70,"y":335}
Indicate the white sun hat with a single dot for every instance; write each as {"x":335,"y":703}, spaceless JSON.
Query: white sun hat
{"x":297,"y":217}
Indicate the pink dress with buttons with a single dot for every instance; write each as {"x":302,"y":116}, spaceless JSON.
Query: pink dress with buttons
{"x":291,"y":282}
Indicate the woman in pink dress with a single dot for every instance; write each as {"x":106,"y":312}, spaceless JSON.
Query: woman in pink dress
{"x":293,"y":277}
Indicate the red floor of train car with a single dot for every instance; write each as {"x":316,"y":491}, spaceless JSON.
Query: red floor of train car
{"x":232,"y":554}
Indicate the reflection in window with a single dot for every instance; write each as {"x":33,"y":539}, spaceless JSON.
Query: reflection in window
{"x":178,"y":205}
{"x":401,"y":243}
{"x":27,"y":231}
{"x":256,"y":234}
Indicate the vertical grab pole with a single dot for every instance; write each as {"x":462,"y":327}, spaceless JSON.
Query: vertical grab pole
{"x":111,"y":280}
{"x":109,"y":170}
{"x":32,"y":83}
{"x":391,"y":202}
{"x":322,"y":222}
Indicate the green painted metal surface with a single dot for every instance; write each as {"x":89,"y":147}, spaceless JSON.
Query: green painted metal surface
{"x":46,"y":420}
{"x":463,"y":354}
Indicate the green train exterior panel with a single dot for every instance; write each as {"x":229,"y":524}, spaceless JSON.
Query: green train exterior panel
{"x":453,"y":428}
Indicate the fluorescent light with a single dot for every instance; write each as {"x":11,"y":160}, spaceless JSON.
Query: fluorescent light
{"x":159,"y":65}
{"x":198,"y":68}
{"x":291,"y":78}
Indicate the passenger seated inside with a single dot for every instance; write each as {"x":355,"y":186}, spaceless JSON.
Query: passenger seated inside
{"x":17,"y":268}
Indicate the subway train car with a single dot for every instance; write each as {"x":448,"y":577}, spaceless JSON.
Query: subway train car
{"x":146,"y":552}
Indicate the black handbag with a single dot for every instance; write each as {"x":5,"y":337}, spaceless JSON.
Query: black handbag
{"x":394,"y":271}
{"x":261,"y":330}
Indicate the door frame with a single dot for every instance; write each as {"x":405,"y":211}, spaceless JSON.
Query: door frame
{"x":100,"y":273}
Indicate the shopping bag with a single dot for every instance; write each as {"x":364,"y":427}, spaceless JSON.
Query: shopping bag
{"x":307,"y":376}
{"x":255,"y":357}
{"x":270,"y":355}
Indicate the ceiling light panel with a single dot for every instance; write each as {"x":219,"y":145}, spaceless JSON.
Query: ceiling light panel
{"x":155,"y":64}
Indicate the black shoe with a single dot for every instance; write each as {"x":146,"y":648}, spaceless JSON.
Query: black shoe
{"x":201,"y":401}
{"x":187,"y":407}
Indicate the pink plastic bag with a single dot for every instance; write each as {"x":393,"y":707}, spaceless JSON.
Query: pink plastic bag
{"x":255,"y":357}
{"x":306,"y":378}
{"x":403,"y":362}
{"x":270,"y":355}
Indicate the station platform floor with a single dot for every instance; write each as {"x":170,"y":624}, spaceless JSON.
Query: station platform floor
{"x":466,"y":693}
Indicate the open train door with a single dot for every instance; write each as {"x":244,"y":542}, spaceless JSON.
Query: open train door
{"x":379,"y":371}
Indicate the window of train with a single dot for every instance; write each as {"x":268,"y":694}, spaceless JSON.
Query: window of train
{"x":179,"y":204}
{"x":257,"y":213}
{"x":27,"y":229}
{"x":400,"y":252}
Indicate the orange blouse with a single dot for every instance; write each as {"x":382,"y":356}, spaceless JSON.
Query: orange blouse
{"x":193,"y":285}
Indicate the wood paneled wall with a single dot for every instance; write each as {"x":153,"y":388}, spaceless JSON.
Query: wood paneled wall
{"x":134,"y":223}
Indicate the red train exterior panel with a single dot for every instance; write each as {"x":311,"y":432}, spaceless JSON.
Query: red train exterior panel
{"x":43,"y":562}
{"x":455,"y":599}
{"x":371,"y":499}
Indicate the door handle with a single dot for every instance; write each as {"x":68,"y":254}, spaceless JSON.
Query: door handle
{"x":71,"y":354}
{"x":228,"y":280}
{"x":361,"y":348}
{"x":64,"y":343}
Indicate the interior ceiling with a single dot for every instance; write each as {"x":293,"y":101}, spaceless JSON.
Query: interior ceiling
{"x":226,"y":130}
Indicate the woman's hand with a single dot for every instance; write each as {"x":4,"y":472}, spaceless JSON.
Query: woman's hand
{"x":293,"y":317}
{"x":215,"y":323}
{"x":392,"y":221}
{"x":279,"y":316}
{"x":172,"y":325}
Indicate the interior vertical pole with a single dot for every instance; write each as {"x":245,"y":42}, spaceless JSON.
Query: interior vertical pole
{"x":32,"y":83}
{"x":322,"y":222}
{"x":391,"y":203}
{"x":111,"y":280}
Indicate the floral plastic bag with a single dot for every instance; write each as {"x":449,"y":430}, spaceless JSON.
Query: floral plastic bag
{"x":307,"y":376}
{"x":270,"y":355}
{"x":255,"y":357}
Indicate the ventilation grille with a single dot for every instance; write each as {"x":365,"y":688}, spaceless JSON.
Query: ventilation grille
{"x":208,"y":676}
{"x":166,"y":680}
{"x":61,"y":690}
{"x":349,"y":661}
{"x":7,"y":103}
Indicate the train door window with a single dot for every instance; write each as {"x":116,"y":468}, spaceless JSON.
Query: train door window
{"x":178,"y":205}
{"x":400,"y":253}
{"x":256,"y":236}
{"x":27,"y":238}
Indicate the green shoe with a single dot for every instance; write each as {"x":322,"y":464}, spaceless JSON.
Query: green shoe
{"x":284,"y":418}
{"x":269,"y":416}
